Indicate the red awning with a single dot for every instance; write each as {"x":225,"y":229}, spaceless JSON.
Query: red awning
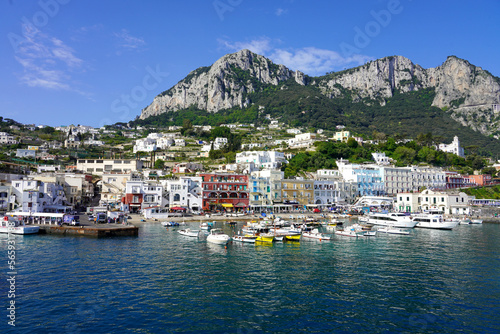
{"x":177,"y":208}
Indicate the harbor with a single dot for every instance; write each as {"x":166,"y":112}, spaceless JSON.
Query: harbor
{"x":434,"y":281}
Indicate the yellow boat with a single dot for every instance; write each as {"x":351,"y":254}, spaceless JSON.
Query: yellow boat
{"x":265,"y":237}
{"x":292,"y":237}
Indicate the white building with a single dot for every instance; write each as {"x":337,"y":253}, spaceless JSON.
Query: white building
{"x":302,"y":140}
{"x":37,"y":196}
{"x":454,"y":147}
{"x":380,"y":158}
{"x":8,"y":139}
{"x":449,"y":203}
{"x":262,"y":159}
{"x":186,"y":192}
{"x":145,"y":145}
{"x":101,"y":166}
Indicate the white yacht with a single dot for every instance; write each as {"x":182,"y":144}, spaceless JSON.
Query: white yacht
{"x":392,"y":219}
{"x":434,"y":220}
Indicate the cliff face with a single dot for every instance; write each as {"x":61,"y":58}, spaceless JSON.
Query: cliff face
{"x":465,"y":91}
{"x":223,"y":85}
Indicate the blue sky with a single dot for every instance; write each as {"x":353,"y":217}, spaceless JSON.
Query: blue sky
{"x":100,"y":62}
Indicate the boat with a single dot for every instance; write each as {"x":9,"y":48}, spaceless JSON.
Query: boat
{"x":189,"y":232}
{"x":393,"y":230}
{"x":216,"y":236}
{"x":264,"y":237}
{"x":465,"y":221}
{"x":204,"y":226}
{"x":245,"y":238}
{"x":369,"y":233}
{"x":169,"y":224}
{"x":347,"y":233}
{"x":476,"y":221}
{"x":434,"y":220}
{"x":11,"y":225}
{"x":393,"y":219}
{"x":315,"y":234}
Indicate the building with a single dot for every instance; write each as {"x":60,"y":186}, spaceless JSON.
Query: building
{"x":113,"y":186}
{"x":368,"y":178}
{"x":342,"y":136}
{"x":449,"y":203}
{"x":380,"y":158}
{"x":302,"y":140}
{"x":297,"y":191}
{"x":140,"y":195}
{"x":7,"y":139}
{"x":23,"y":153}
{"x":102,"y":166}
{"x":343,"y":192}
{"x":37,"y":196}
{"x":454,"y":147}
{"x":186,"y":192}
{"x":479,"y":180}
{"x":225,"y":191}
{"x":145,"y":145}
{"x":264,"y":189}
{"x":186,"y":167}
{"x":262,"y":159}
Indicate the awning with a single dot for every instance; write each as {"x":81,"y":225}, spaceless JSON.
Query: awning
{"x":177,"y":208}
{"x":227,"y":205}
{"x":241,"y":205}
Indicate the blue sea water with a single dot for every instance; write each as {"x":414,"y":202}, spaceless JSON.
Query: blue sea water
{"x":431,"y":281}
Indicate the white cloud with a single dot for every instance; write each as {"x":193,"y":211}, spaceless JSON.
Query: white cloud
{"x":310,"y":60}
{"x":280,"y":11}
{"x":127,"y":41}
{"x":46,"y":61}
{"x":260,"y":46}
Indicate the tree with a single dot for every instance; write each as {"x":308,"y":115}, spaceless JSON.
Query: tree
{"x":404,"y":155}
{"x":352,"y":143}
{"x":159,"y":164}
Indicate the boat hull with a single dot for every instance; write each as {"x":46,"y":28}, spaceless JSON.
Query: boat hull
{"x":20,"y":230}
{"x":448,"y":225}
{"x":218,"y":240}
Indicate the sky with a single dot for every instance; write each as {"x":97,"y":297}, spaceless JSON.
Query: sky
{"x":100,"y":62}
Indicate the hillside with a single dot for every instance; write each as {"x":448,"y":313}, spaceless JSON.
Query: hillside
{"x":390,"y":95}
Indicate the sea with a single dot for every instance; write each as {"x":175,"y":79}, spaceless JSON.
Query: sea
{"x":431,"y":281}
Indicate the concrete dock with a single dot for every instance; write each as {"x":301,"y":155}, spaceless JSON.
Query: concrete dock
{"x":97,"y":231}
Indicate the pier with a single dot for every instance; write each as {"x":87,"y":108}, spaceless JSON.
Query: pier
{"x":97,"y":231}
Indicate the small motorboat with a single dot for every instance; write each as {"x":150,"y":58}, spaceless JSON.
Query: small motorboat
{"x":476,"y":221}
{"x":369,"y":234}
{"x":393,"y":230}
{"x":169,"y":224}
{"x":347,"y":233}
{"x":245,"y":238}
{"x":216,"y":236}
{"x":314,"y":234}
{"x":189,"y":232}
{"x":204,"y":226}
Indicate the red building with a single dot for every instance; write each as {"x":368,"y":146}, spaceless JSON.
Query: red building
{"x":455,"y":180}
{"x":225,"y":191}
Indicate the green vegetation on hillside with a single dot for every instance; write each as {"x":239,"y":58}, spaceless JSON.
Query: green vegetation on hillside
{"x":484,"y":192}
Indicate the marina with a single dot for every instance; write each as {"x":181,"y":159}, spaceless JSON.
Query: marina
{"x":443,"y":283}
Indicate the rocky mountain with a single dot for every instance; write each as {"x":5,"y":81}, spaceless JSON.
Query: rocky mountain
{"x":223,"y":85}
{"x":464,"y":91}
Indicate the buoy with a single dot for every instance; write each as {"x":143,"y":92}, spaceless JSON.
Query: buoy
{"x":225,"y":247}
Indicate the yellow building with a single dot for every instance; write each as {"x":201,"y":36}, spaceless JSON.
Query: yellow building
{"x":297,"y":190}
{"x":342,"y":136}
